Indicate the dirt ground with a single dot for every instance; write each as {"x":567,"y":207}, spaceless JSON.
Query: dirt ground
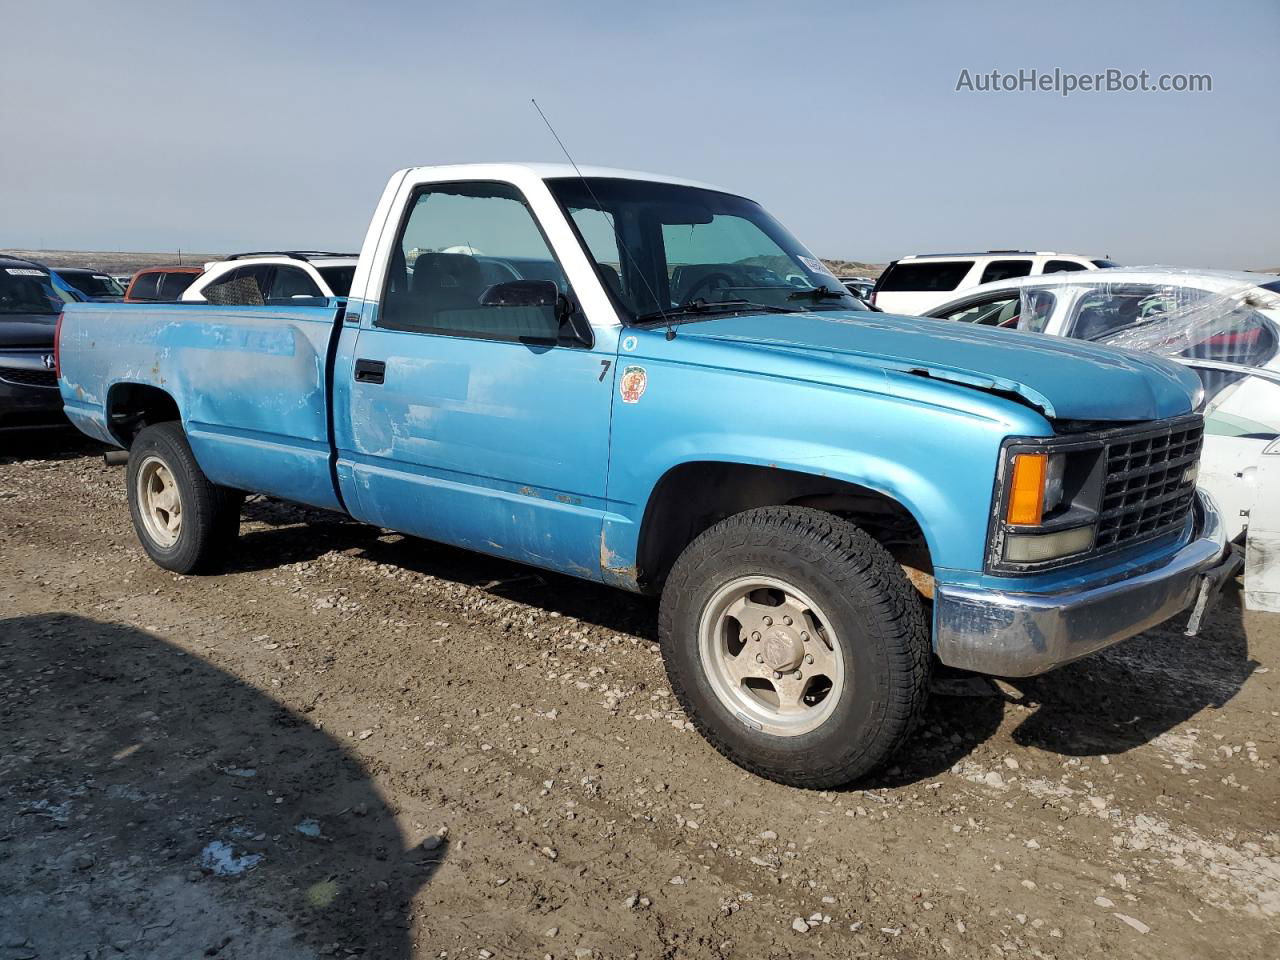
{"x":355,"y":743}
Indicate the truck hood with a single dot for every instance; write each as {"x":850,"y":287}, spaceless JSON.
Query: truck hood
{"x":27,"y":330}
{"x":1064,"y":379}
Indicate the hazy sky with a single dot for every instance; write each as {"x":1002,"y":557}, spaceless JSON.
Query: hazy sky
{"x":242,"y":125}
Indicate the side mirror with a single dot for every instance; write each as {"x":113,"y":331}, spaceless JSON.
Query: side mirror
{"x":521,"y":293}
{"x":573,"y":325}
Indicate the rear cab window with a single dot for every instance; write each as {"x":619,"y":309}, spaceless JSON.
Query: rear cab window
{"x":933,"y":276}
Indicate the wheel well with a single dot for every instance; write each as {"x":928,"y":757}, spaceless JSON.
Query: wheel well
{"x":694,"y":496}
{"x":132,"y":406}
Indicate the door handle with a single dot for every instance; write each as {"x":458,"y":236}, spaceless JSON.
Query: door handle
{"x":370,"y":371}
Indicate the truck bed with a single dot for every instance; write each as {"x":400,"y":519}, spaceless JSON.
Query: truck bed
{"x":254,"y":384}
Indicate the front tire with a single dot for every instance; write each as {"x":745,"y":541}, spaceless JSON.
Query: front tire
{"x":796,"y":645}
{"x":185,"y":522}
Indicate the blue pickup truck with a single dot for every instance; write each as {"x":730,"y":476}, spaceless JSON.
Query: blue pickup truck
{"x":650,"y":383}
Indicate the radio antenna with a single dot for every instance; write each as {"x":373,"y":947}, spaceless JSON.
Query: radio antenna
{"x":671,"y":330}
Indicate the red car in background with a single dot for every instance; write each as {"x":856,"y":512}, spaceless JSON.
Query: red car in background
{"x":160,"y":284}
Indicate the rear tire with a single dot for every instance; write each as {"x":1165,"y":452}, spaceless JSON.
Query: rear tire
{"x":185,"y":522}
{"x":796,"y":645}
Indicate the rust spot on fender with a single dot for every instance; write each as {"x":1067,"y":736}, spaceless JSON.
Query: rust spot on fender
{"x":626,"y":573}
{"x":922,"y":580}
{"x":528,"y":492}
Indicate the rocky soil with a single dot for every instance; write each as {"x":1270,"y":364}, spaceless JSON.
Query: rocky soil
{"x":352,"y":743}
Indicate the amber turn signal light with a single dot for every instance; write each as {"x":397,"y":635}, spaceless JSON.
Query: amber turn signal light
{"x":1026,"y":493}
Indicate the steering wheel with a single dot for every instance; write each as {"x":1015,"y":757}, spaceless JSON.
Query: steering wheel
{"x":712,"y":281}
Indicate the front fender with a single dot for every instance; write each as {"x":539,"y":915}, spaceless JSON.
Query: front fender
{"x":937,"y":460}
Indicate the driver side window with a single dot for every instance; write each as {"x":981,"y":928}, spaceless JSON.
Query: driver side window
{"x":459,"y":241}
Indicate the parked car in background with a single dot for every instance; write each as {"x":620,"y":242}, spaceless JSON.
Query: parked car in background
{"x":252,"y":279}
{"x":30,"y":303}
{"x":93,"y":284}
{"x":919,"y":282}
{"x":160,"y":284}
{"x":860,"y":287}
{"x":671,"y":395}
{"x":1225,"y":326}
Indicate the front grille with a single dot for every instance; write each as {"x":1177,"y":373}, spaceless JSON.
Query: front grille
{"x":29,"y":378}
{"x":1146,"y":492}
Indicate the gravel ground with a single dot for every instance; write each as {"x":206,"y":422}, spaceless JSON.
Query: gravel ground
{"x":355,"y":743}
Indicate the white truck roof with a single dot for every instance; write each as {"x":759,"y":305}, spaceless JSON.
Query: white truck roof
{"x":549,"y":171}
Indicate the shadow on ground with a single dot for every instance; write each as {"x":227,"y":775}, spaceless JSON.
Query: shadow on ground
{"x":155,"y":806}
{"x":1141,"y":689}
{"x":49,"y":443}
{"x":1107,"y":703}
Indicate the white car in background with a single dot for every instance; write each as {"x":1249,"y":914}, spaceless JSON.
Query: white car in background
{"x":1226,"y":326}
{"x":919,"y":282}
{"x":256,"y":278}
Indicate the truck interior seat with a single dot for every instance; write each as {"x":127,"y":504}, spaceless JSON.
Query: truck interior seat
{"x":446,"y":296}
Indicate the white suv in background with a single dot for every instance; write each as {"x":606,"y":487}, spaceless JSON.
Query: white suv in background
{"x":247,"y":279}
{"x":915,"y":283}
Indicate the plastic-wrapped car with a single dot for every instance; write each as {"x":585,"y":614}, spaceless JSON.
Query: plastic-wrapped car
{"x":1225,"y":326}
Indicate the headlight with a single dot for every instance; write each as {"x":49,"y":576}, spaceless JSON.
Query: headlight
{"x":1048,"y":506}
{"x":1039,"y":547}
{"x":1061,"y":499}
{"x":1054,"y":474}
{"x":1036,"y":488}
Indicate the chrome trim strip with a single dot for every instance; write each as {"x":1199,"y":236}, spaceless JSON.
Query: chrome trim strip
{"x":1011,"y":634}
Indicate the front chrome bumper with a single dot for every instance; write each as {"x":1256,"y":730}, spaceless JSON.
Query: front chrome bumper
{"x":1007,"y":634}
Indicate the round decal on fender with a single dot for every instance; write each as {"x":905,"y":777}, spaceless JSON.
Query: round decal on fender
{"x":632,"y":384}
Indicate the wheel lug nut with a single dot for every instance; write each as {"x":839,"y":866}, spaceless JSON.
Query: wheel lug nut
{"x":777,"y":675}
{"x":799,"y":675}
{"x":804,"y":635}
{"x":768,"y":621}
{"x":808,"y":658}
{"x":759,"y":658}
{"x":787,"y":621}
{"x":756,"y":635}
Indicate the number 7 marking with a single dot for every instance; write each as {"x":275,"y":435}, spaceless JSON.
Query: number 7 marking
{"x":604,"y":368}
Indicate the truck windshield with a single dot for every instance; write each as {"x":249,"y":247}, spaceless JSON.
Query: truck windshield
{"x":661,"y":247}
{"x":27,"y":290}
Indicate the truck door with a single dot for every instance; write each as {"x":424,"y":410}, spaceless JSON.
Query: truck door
{"x":471,"y":424}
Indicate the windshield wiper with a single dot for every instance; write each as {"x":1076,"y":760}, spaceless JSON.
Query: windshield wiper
{"x":818,"y":293}
{"x":702,"y":307}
